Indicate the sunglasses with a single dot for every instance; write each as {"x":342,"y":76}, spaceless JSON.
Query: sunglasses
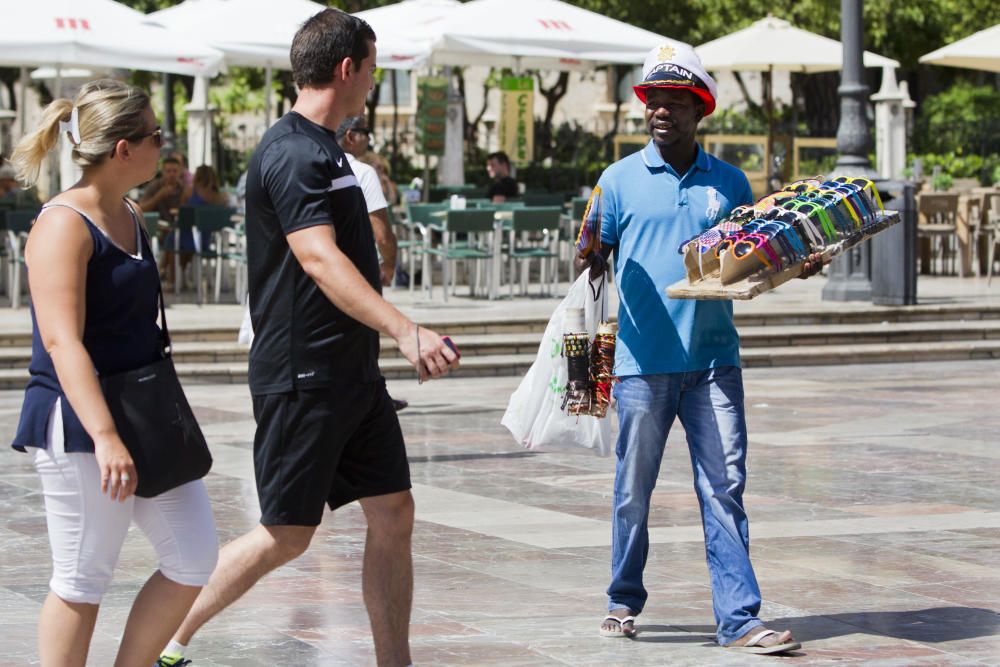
{"x":362,"y":130}
{"x":156,"y":134}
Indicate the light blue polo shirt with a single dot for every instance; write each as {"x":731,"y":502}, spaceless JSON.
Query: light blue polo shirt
{"x":648,"y":211}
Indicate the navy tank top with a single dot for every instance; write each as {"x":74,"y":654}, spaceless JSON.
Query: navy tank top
{"x":120,"y":333}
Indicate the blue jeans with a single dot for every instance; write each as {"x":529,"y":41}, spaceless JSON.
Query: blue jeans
{"x":710,"y":406}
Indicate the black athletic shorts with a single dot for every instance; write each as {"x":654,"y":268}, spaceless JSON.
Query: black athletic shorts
{"x":331,"y":445}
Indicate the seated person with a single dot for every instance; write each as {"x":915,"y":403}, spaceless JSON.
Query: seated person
{"x":203,"y":191}
{"x":503,"y":186}
{"x":186,"y":177}
{"x":164,"y":193}
{"x":381,"y":167}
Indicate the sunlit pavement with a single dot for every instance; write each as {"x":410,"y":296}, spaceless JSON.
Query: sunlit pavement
{"x":875,"y":527}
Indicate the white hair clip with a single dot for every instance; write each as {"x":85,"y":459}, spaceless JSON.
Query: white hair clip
{"x":73,"y":126}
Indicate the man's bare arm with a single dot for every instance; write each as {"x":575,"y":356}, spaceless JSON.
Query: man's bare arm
{"x":316,"y":250}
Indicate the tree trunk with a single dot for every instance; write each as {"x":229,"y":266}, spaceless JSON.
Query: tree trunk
{"x":373,"y":102}
{"x":552,"y":95}
{"x":752,"y":107}
{"x":469,"y":130}
{"x":617,"y":72}
{"x":487,"y":87}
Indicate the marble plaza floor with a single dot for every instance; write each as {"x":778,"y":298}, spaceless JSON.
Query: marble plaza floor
{"x":875,"y":524}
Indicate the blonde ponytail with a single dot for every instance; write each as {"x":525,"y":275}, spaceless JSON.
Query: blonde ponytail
{"x":32,"y":149}
{"x":108,"y":111}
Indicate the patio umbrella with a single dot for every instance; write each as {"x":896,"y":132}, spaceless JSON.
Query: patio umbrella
{"x":535,"y":34}
{"x":258,"y":33}
{"x":775,"y":44}
{"x":98,"y":33}
{"x":980,"y":50}
{"x":417,"y":20}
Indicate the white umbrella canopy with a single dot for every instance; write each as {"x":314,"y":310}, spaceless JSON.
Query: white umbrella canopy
{"x":251,"y":33}
{"x":775,"y":44}
{"x":980,"y":50}
{"x":98,"y":33}
{"x":259,"y":33}
{"x":406,"y":30}
{"x":534,"y":34}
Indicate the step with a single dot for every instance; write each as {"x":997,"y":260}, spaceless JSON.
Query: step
{"x":867,"y":334}
{"x":518,"y":364}
{"x":514,"y":323}
{"x":500,"y":344}
{"x":825,"y":355}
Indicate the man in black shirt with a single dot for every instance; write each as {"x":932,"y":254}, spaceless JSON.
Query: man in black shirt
{"x":326,"y":429}
{"x":503,"y":186}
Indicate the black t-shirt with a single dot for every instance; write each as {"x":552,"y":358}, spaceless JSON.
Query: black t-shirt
{"x":299,"y":177}
{"x":505,"y":186}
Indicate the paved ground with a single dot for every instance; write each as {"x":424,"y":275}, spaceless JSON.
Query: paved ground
{"x":872,"y":494}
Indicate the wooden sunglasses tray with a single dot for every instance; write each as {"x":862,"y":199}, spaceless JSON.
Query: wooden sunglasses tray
{"x":749,"y":277}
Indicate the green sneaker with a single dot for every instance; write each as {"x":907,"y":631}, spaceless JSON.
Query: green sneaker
{"x":171,"y":661}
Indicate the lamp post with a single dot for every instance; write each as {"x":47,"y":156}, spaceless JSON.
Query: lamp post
{"x":850,"y":274}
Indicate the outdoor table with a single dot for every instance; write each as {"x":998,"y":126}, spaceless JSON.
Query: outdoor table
{"x":501,"y":222}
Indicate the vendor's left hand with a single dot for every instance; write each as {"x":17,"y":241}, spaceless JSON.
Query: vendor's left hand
{"x":813,"y":265}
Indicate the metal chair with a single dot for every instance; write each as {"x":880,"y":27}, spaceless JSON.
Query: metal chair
{"x":217,"y":241}
{"x":480,"y":244}
{"x":991,"y":231}
{"x":209,"y":226}
{"x":152,"y":222}
{"x":16,"y":224}
{"x":534,"y":234}
{"x":419,"y":218}
{"x":939,"y":225}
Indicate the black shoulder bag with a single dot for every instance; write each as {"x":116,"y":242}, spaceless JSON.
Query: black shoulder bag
{"x":156,"y":423}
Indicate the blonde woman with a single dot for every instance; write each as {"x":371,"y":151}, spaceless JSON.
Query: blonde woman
{"x":94,"y":290}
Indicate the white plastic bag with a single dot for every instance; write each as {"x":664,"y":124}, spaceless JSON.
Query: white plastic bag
{"x":534,"y":414}
{"x":245,"y":336}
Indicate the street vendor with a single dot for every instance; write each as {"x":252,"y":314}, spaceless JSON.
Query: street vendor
{"x":676,"y":358}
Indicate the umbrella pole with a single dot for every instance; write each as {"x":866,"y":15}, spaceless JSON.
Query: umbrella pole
{"x":23,"y":108}
{"x":267,"y":96}
{"x":770,"y":125}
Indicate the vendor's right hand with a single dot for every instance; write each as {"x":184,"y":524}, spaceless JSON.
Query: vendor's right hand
{"x":118,"y":476}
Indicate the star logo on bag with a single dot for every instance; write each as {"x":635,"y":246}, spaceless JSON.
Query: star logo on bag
{"x":667,"y":52}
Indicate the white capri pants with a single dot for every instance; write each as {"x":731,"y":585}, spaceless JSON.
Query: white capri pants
{"x":87,"y":528}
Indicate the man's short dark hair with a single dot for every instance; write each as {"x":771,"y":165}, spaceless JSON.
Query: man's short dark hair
{"x":170,"y":159}
{"x":350,"y":123}
{"x":500,"y":157}
{"x":323,"y":42}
